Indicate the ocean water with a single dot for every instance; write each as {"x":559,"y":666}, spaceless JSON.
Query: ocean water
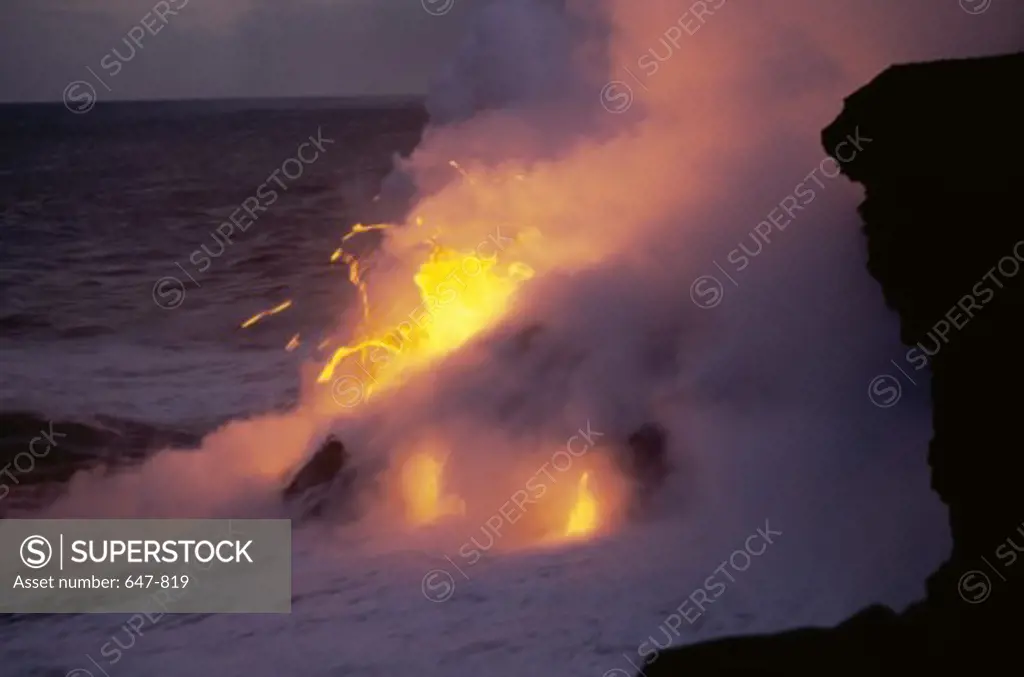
{"x":97,"y":210}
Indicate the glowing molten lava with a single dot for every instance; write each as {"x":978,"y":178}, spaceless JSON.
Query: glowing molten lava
{"x":422,"y":490}
{"x":460,"y":294}
{"x":583,"y":518}
{"x":427,"y":303}
{"x":266,"y":313}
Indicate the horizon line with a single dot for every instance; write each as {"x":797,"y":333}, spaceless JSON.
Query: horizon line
{"x":237,"y":99}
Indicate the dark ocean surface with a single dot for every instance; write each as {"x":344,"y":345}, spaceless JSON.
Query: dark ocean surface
{"x":120,"y":304}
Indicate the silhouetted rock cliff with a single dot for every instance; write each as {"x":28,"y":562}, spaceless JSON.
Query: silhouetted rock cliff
{"x":944,"y":219}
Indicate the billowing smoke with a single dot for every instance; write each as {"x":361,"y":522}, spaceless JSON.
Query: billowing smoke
{"x":696,"y":263}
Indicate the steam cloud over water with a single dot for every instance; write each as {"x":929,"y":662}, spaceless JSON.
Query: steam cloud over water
{"x":621,"y":151}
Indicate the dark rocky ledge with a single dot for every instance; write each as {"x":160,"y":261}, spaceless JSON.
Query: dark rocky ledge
{"x":944,"y":221}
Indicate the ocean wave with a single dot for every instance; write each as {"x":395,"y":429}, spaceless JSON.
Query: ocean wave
{"x":38,"y":453}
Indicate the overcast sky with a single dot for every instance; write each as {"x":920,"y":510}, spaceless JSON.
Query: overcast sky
{"x":225,"y":48}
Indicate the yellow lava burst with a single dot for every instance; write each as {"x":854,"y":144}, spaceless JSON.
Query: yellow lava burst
{"x":455,"y":294}
{"x":583,"y":518}
{"x":460,"y":293}
{"x":422,"y":490}
{"x":266,"y":313}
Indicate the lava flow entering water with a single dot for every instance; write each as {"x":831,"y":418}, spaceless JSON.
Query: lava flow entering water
{"x":463,"y":293}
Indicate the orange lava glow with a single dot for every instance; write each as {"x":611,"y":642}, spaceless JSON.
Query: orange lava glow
{"x":422,"y":490}
{"x":583,"y":519}
{"x":266,"y":313}
{"x":421,"y":299}
{"x":460,"y":294}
